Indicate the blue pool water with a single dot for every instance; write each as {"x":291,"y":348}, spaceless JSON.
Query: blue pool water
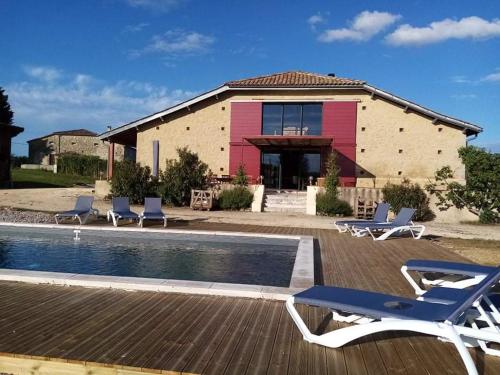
{"x":228,"y":259}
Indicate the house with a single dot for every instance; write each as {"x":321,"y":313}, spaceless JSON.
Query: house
{"x":7,"y":132}
{"x":282,"y":127}
{"x":45,"y":150}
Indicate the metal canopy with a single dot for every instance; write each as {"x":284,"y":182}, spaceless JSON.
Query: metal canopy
{"x":289,"y":141}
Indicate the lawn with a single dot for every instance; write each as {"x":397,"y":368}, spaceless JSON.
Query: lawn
{"x":34,"y":178}
{"x":478,"y":250}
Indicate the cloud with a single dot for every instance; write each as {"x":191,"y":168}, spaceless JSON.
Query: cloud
{"x":43,"y":73}
{"x":493,"y":77}
{"x":178,"y":43}
{"x":156,"y":5}
{"x":316,"y":20}
{"x":135,"y":28}
{"x":364,"y":26}
{"x":82,"y":101}
{"x":460,"y":79}
{"x":475,"y":28}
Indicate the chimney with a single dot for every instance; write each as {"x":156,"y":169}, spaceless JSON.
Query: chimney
{"x":331,"y":74}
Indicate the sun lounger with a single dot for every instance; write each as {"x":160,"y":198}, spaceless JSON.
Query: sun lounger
{"x":121,"y":210}
{"x":83,"y":209}
{"x":380,"y":216}
{"x":387,"y":313}
{"x":401,"y":223}
{"x":152,"y":211}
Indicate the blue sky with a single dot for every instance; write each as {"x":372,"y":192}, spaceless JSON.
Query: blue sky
{"x":90,"y":64}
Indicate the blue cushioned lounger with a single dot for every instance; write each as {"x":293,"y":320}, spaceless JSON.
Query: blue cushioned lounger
{"x":152,"y":211}
{"x":380,"y":216}
{"x":383,"y":313}
{"x":401,"y":223}
{"x":83,"y":209}
{"x":121,"y":210}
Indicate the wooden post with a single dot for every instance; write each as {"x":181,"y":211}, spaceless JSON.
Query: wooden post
{"x":111,"y":159}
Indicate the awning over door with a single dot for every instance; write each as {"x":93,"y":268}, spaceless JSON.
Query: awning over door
{"x":289,"y":141}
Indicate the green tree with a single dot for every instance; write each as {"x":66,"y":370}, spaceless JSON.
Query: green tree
{"x":6,"y":114}
{"x":481,"y":193}
{"x":241,"y":178}
{"x":181,"y":175}
{"x":133,"y":181}
{"x":332,"y":174}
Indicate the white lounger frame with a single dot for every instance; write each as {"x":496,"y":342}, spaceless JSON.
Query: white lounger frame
{"x":416,"y":230}
{"x":110,"y":214}
{"x":142,"y":218}
{"x":446,"y":330}
{"x":81,"y":218}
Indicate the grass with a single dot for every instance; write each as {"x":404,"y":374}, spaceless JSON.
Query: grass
{"x":480,"y":251}
{"x":34,"y":178}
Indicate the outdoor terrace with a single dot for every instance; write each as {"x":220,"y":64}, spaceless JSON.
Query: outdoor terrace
{"x":113,"y":331}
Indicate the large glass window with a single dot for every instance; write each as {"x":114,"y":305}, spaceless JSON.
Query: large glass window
{"x":292,"y":119}
{"x":312,"y":117}
{"x":272,"y":119}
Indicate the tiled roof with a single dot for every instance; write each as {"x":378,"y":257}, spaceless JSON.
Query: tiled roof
{"x":76,"y":132}
{"x":295,"y":79}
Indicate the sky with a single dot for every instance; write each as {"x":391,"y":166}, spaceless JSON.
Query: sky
{"x":97,"y":63}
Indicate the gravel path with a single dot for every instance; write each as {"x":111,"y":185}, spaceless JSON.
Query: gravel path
{"x":17,"y":216}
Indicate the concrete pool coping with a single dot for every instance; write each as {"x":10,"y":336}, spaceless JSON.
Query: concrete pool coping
{"x":302,"y":273}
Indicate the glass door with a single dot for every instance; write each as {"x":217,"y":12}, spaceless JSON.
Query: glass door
{"x":271,"y":170}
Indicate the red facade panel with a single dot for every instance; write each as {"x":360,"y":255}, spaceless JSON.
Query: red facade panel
{"x":339,"y":122}
{"x":246,"y":121}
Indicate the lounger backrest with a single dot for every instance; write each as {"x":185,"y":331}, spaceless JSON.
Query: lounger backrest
{"x":404,"y":216}
{"x":425,"y":265}
{"x":381,"y":212}
{"x":152,"y":205}
{"x":84,"y":203}
{"x":121,"y":204}
{"x":475,"y":293}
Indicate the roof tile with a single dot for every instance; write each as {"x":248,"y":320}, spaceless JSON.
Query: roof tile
{"x":295,"y":79}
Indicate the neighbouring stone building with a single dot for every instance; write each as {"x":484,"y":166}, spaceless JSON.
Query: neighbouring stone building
{"x":45,"y":150}
{"x":282,"y":126}
{"x":7,"y":132}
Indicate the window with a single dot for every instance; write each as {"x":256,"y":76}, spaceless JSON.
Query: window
{"x":401,"y":130}
{"x":400,"y":151}
{"x":292,"y":119}
{"x":363,"y":129}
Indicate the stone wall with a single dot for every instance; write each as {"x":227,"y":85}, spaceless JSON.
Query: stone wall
{"x":391,"y":143}
{"x":40,"y":149}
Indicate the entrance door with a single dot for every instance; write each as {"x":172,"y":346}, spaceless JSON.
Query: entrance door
{"x":271,"y":170}
{"x":290,"y":169}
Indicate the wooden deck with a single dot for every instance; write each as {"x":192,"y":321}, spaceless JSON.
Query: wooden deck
{"x":222,"y":335}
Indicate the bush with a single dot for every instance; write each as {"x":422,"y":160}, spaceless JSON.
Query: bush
{"x":181,"y":176}
{"x":332,"y":174}
{"x":408,"y":195}
{"x":236,"y":199}
{"x":133,"y":181}
{"x":81,"y":165}
{"x":241,"y":178}
{"x":16,"y":161}
{"x":329,"y":205}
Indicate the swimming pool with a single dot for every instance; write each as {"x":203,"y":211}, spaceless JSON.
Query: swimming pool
{"x":180,"y":256}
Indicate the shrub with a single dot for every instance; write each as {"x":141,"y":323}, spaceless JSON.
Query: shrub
{"x":81,"y":165}
{"x":408,"y":195}
{"x":133,"y":181}
{"x":181,"y":176}
{"x":332,"y":174}
{"x":16,"y":161}
{"x":329,"y":205}
{"x":241,"y":178}
{"x":480,"y":195}
{"x":236,"y":199}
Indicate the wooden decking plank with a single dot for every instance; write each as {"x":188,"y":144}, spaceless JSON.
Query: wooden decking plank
{"x":144,"y":335}
{"x":223,"y":326}
{"x":199,"y":335}
{"x":280,"y":353}
{"x":181,"y":334}
{"x":263,"y":349}
{"x":317,"y":363}
{"x":300,"y":350}
{"x":244,"y":350}
{"x":224,"y":353}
